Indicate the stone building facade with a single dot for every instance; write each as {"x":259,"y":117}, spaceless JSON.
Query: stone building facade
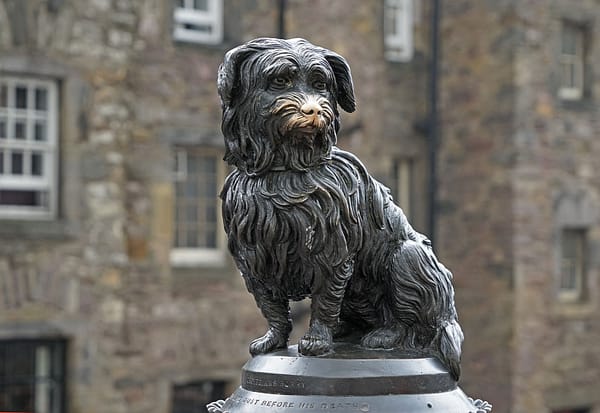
{"x":110,"y":145}
{"x":519,"y":184}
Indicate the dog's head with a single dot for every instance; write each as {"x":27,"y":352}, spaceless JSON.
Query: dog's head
{"x":279,"y":100}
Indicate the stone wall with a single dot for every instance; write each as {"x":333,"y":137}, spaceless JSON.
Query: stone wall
{"x":518,"y":164}
{"x":556,"y":183}
{"x":475,"y":194}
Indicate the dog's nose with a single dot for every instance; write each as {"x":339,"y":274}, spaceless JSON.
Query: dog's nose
{"x":311,"y":109}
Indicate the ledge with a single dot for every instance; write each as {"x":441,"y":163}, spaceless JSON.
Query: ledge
{"x":36,"y":230}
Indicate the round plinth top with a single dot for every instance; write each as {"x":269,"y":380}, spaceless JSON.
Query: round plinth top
{"x":349,"y":370}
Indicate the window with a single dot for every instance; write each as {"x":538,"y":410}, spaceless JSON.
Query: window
{"x":198,"y":235}
{"x":198,"y":21}
{"x":32,"y":376}
{"x":573,"y":410}
{"x":28,"y":148}
{"x":403,"y":172}
{"x":193,"y":397}
{"x":398,"y":30}
{"x":573,"y":264}
{"x":571,"y":62}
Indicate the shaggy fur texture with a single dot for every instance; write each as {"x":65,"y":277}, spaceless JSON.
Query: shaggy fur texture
{"x":305,"y":219}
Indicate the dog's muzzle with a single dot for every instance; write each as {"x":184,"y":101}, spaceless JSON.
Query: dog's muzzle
{"x":305,"y":116}
{"x":313,"y":112}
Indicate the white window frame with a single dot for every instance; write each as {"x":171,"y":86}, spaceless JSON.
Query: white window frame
{"x":574,"y":62}
{"x":197,"y":257}
{"x":398,"y":40}
{"x":213,"y":18}
{"x":48,"y":181}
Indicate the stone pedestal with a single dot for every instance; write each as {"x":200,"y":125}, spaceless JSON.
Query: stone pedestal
{"x":348,"y":380}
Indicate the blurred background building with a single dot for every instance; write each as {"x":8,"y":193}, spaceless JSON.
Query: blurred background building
{"x":116,"y":291}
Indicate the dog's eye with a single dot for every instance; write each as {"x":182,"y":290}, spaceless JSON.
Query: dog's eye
{"x":320,"y":85}
{"x":279,"y":82}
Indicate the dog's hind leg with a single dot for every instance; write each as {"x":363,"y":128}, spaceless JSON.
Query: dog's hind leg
{"x":277,"y":313}
{"x":325,"y":310}
{"x":422,"y":300}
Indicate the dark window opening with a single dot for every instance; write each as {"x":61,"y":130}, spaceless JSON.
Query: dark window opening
{"x":32,"y":375}
{"x":23,"y":198}
{"x":193,"y":397}
{"x":573,"y":247}
{"x":573,"y":410}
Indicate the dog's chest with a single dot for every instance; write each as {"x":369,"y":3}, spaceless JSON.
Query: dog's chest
{"x":288,"y":226}
{"x":277,"y":214}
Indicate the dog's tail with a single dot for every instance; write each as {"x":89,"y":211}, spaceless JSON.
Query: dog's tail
{"x":449,"y":346}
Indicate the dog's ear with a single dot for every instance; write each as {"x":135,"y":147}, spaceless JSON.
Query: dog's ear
{"x":343,"y":78}
{"x":228,"y":77}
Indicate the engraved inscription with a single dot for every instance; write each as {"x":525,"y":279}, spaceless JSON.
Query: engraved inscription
{"x":308,"y":405}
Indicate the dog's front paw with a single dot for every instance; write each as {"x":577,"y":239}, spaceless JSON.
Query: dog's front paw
{"x":272,"y":340}
{"x":318,"y":340}
{"x":381,"y":338}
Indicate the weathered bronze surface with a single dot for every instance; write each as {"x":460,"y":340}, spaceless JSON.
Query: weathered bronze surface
{"x":305,"y":219}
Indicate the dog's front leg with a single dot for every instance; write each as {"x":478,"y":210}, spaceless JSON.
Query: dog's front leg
{"x":277,"y":313}
{"x":325,"y":310}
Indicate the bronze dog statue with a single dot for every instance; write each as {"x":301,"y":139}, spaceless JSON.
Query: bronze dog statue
{"x":305,"y":219}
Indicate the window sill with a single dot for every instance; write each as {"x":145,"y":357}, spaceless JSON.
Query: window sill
{"x":584,"y":104}
{"x":573,"y":309}
{"x":190,"y":258}
{"x":36,"y":229}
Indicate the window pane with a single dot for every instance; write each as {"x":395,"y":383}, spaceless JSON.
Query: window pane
{"x":390,"y":16}
{"x":567,"y":69}
{"x":179,"y":237}
{"x":192,"y":239}
{"x":193,"y":164}
{"x":39,"y":133}
{"x":20,"y":129}
{"x":16,"y":162}
{"x":201,"y":5}
{"x":37,"y":164}
{"x":3,"y":96}
{"x":21,"y":97}
{"x":24,"y":198}
{"x":569,"y":39}
{"x":26,"y":130}
{"x":191,"y":188}
{"x":191,"y":215}
{"x":180,"y":189}
{"x":196,"y":202}
{"x":211,"y":213}
{"x":41,"y":99}
{"x":572,"y":259}
{"x":204,"y":28}
{"x":209,"y":165}
{"x":24,"y":378}
{"x":571,"y":81}
{"x":211,"y":239}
